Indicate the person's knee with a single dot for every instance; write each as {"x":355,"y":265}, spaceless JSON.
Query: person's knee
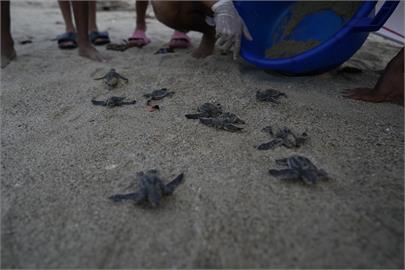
{"x":170,"y":14}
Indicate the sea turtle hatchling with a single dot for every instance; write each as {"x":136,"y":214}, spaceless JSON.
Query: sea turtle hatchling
{"x":151,"y":188}
{"x":269,"y":95}
{"x":299,"y":168}
{"x":220,"y":123}
{"x":206,"y":110}
{"x":158,"y":94}
{"x":112,"y":102}
{"x":164,"y":50}
{"x":212,"y":115}
{"x":283,"y":137}
{"x":112,"y":78}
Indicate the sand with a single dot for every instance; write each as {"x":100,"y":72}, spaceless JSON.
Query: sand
{"x":61,"y":157}
{"x":287,"y":47}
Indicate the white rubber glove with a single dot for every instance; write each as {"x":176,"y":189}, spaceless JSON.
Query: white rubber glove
{"x":229,"y":26}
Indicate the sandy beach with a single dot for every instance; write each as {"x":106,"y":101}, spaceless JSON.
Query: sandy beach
{"x":62,"y":157}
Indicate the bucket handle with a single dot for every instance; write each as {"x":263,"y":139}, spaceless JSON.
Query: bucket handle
{"x":374,"y":24}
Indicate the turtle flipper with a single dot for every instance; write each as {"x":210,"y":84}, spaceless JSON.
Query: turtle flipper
{"x":136,"y":196}
{"x":193,"y":116}
{"x":128,"y":102}
{"x":105,"y":76}
{"x":286,"y":174}
{"x":232,"y":128}
{"x":170,"y":187}
{"x":122,"y":77}
{"x":98,"y":102}
{"x":270,"y":145}
{"x":312,"y":176}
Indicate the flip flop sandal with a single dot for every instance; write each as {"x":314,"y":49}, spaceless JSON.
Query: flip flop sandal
{"x":179,"y":40}
{"x":139,"y":39}
{"x":99,"y":38}
{"x":67,"y":41}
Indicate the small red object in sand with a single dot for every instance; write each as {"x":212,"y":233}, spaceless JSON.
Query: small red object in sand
{"x":153,"y":108}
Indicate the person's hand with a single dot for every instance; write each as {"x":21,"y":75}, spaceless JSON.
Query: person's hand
{"x":229,"y":26}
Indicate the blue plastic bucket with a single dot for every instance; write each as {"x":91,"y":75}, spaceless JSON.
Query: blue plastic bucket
{"x":338,"y":39}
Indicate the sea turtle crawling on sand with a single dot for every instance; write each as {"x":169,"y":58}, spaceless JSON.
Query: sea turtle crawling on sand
{"x":283,"y":137}
{"x":113,"y":102}
{"x":269,"y":95}
{"x":299,"y":168}
{"x":212,"y":115}
{"x":151,"y":188}
{"x":206,"y":110}
{"x":164,"y":50}
{"x":222,"y":122}
{"x":158,"y":94}
{"x":112,"y":78}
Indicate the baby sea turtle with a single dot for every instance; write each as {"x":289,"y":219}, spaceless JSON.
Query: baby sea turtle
{"x":158,"y":94}
{"x":113,"y":102}
{"x":212,"y":115}
{"x":206,"y":110}
{"x":164,"y":50}
{"x":151,"y":188}
{"x":220,"y":123}
{"x":269,"y":95}
{"x":299,"y":168}
{"x":112,"y":78}
{"x":283,"y":137}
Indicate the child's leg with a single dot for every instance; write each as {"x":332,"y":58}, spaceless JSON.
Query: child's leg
{"x":67,"y":40}
{"x":7,"y":44}
{"x":141,"y":7}
{"x":188,"y":15}
{"x":81,"y":12}
{"x":139,"y":37}
{"x":65,"y":8}
{"x":92,"y":17}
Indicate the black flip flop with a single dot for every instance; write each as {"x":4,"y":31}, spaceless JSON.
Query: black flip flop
{"x":67,"y":37}
{"x":99,"y":38}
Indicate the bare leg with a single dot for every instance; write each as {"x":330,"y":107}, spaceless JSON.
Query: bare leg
{"x":389,"y":87}
{"x":139,"y":38}
{"x":188,"y":15}
{"x":141,"y":7}
{"x":66,"y":10}
{"x":7,"y":44}
{"x":92,"y":17}
{"x":81,"y":11}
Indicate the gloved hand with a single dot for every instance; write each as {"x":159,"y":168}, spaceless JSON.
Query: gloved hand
{"x":229,"y":26}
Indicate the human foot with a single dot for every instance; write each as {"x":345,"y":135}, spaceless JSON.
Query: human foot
{"x":206,"y":47}
{"x":91,"y":53}
{"x":67,"y":40}
{"x":139,"y":38}
{"x":8,"y":54}
{"x":179,"y":40}
{"x":390,"y":85}
{"x":99,"y":38}
{"x":380,"y":94}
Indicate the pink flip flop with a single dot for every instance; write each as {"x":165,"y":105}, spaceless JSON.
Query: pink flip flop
{"x":179,"y":40}
{"x":139,"y":39}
